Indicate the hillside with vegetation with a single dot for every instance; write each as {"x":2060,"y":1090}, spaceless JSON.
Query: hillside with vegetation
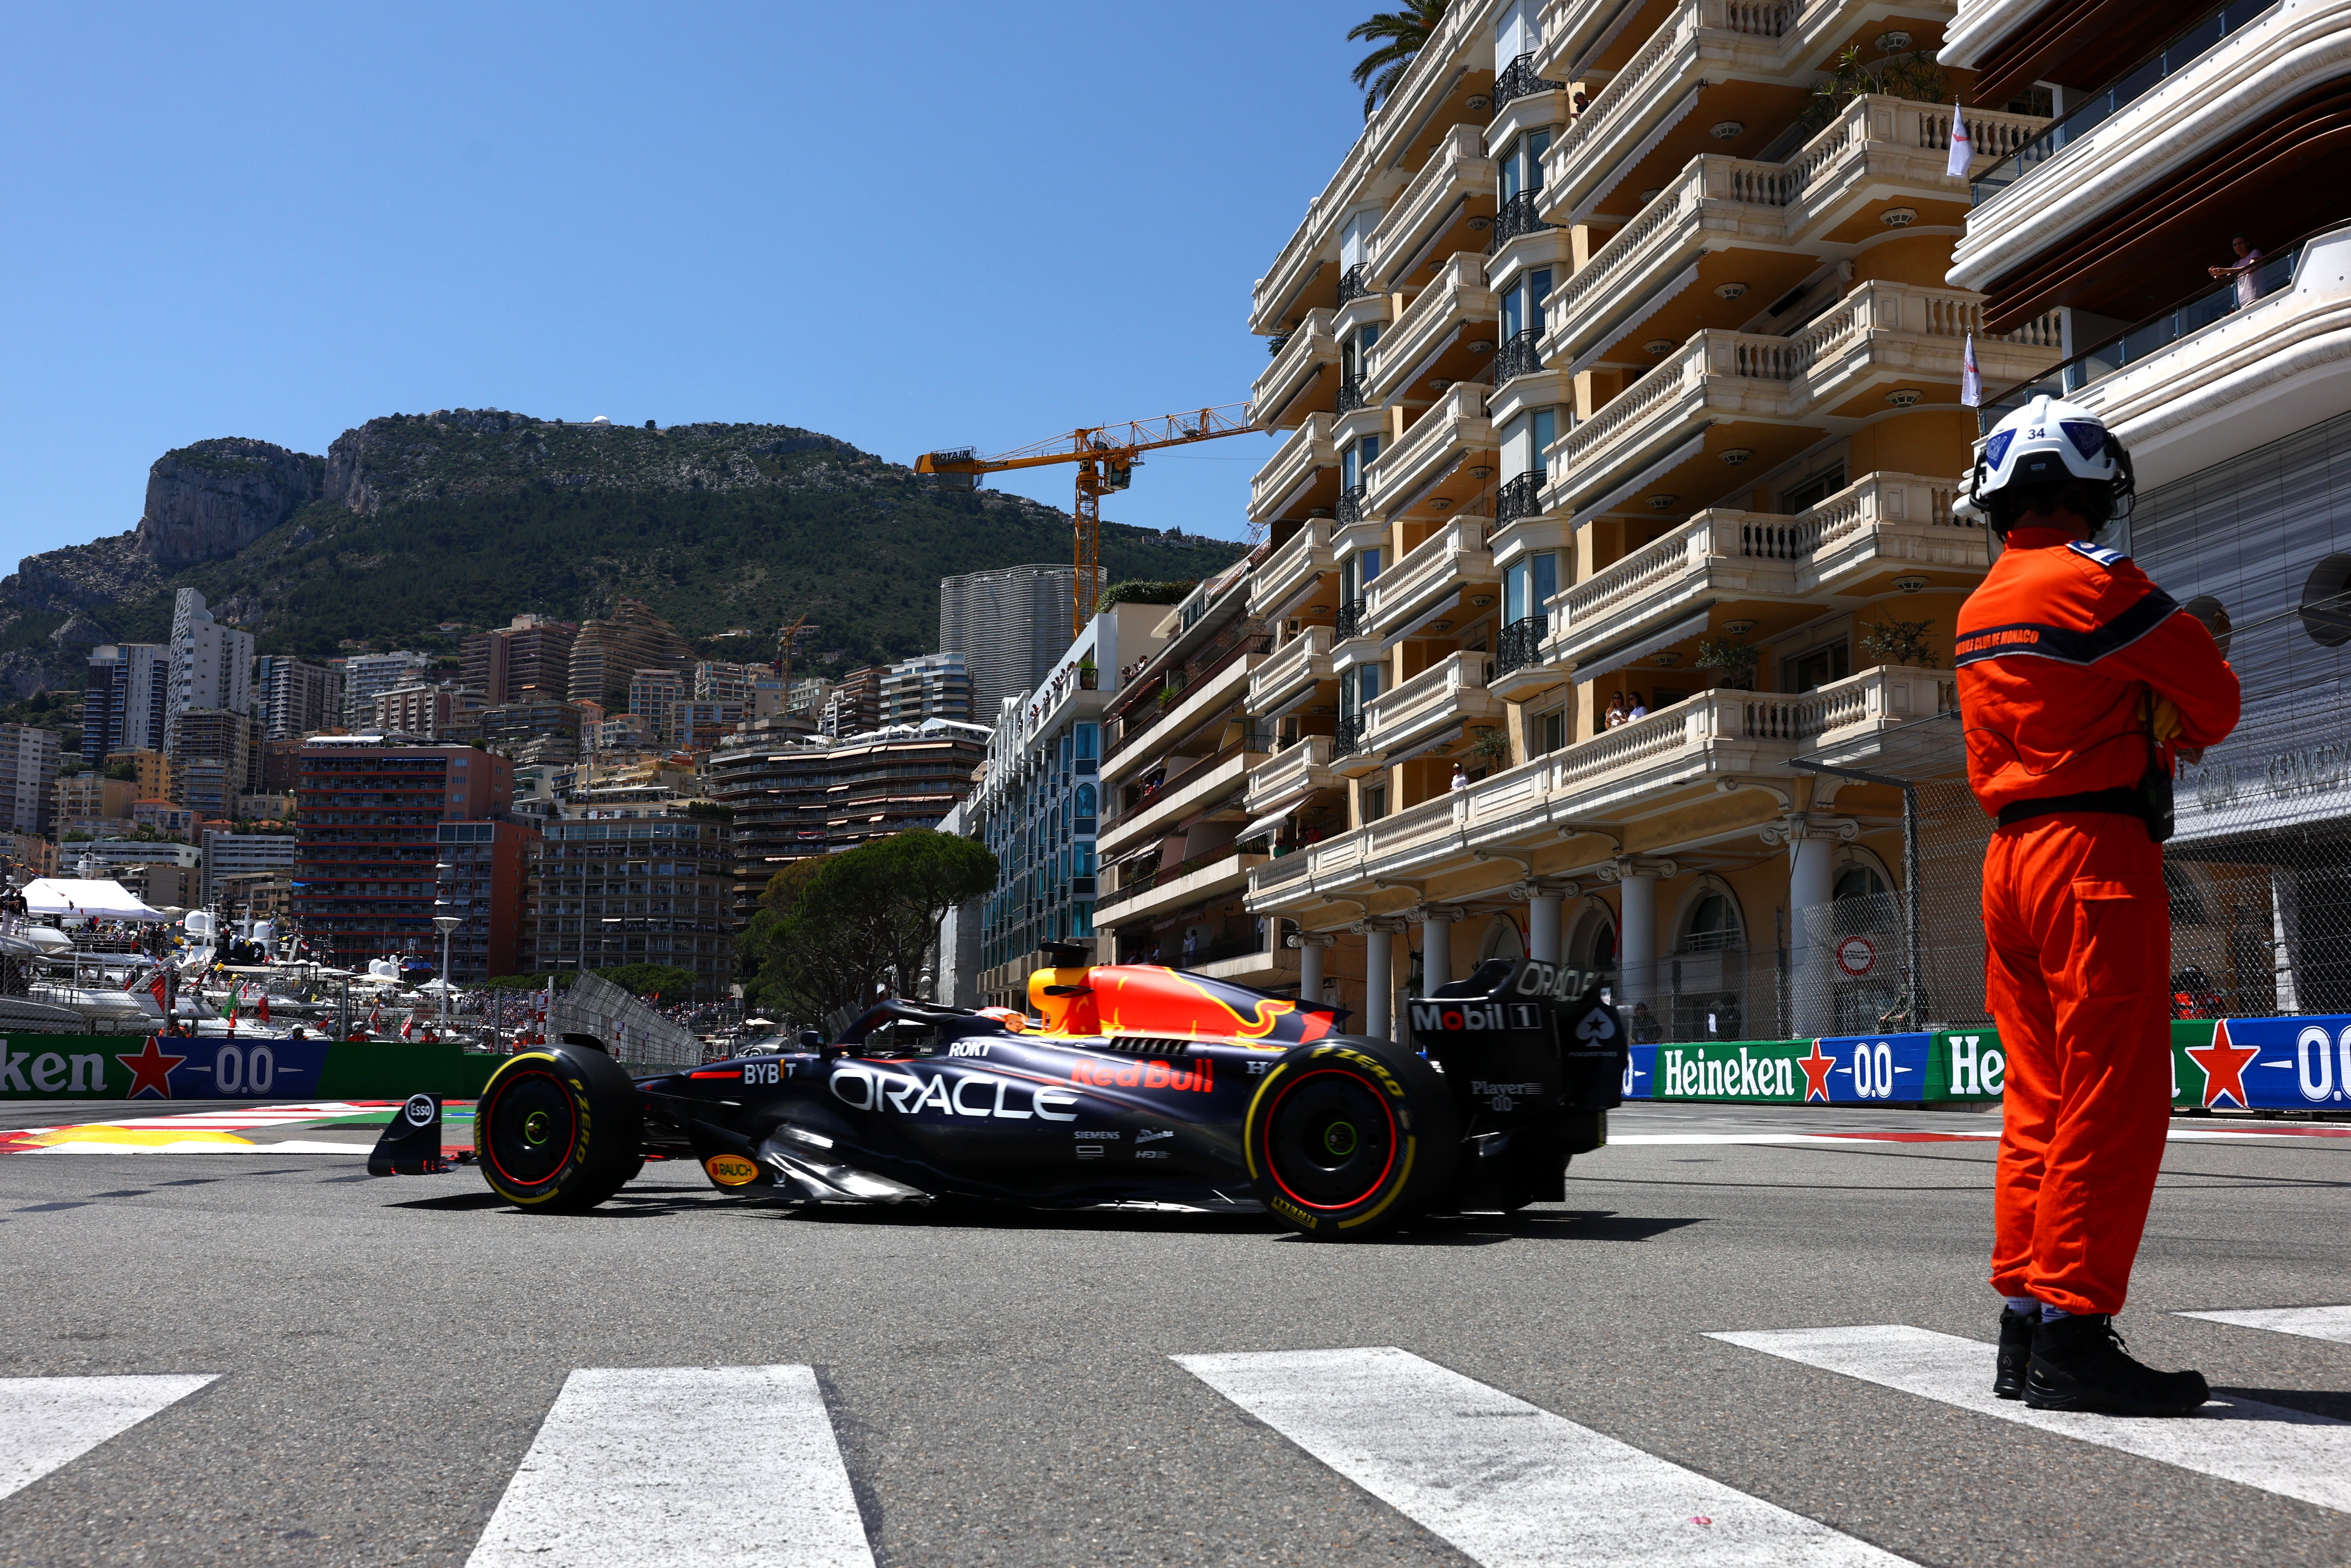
{"x":417,"y":529}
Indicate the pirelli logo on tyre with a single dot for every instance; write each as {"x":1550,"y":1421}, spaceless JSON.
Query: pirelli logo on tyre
{"x":1295,"y":1215}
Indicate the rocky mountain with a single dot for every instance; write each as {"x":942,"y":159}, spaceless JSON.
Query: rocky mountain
{"x":414,"y":529}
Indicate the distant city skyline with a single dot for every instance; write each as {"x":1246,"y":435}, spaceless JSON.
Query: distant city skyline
{"x":681,"y":217}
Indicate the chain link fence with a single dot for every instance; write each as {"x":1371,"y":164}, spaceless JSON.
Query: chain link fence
{"x":633,"y":1030}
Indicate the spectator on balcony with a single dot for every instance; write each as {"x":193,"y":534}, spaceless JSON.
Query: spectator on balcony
{"x":1615,"y":715}
{"x":1638,"y":709}
{"x":1583,"y":102}
{"x":2245,"y":269}
{"x":1460,"y":778}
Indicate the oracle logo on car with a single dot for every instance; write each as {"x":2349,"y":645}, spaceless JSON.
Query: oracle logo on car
{"x":1455,"y":1018}
{"x":1199,"y":1077}
{"x":975,"y":1094}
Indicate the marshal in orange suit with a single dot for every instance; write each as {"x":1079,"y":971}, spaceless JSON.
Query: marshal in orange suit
{"x":2080,"y":683}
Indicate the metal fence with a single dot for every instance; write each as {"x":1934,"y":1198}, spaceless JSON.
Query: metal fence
{"x":633,"y":1030}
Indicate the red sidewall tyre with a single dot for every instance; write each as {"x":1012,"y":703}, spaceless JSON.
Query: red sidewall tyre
{"x":559,"y":1131}
{"x":1349,"y":1137}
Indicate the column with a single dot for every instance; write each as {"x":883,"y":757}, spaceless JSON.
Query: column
{"x":1812,"y":883}
{"x":1309,"y":946}
{"x":1543,"y":927}
{"x":1637,"y":940}
{"x":1437,"y":947}
{"x":1378,"y":960}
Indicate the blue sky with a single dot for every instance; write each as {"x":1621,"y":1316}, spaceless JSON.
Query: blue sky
{"x":910,"y":226}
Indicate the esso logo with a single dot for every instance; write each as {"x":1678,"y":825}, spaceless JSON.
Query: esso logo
{"x":420,"y":1111}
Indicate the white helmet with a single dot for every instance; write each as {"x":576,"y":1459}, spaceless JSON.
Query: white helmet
{"x":2048,"y":446}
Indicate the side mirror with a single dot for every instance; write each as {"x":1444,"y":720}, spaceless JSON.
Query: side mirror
{"x":811,"y":1040}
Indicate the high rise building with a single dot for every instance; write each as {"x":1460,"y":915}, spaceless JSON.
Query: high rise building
{"x":721,"y":681}
{"x":645,"y":890}
{"x":427,"y":712}
{"x":607,"y":653}
{"x":90,"y":802}
{"x":296,"y":697}
{"x":212,"y":665}
{"x":1617,"y":384}
{"x":233,"y":854}
{"x":367,"y":676}
{"x":28,"y":768}
{"x":211,"y":756}
{"x":368,"y":815}
{"x":125,"y":698}
{"x":151,"y":770}
{"x":1010,"y":624}
{"x":930,"y":685}
{"x":652,"y":695}
{"x":481,"y":877}
{"x":529,"y":654}
{"x":854,"y":704}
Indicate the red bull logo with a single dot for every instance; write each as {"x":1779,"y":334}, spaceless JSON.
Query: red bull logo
{"x":1199,"y":1076}
{"x":1134,"y":998}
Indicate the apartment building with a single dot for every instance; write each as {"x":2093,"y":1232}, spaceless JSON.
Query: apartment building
{"x":90,"y":803}
{"x":854,"y":704}
{"x":1038,"y":804}
{"x":229,"y":856}
{"x":510,"y":726}
{"x":125,"y":698}
{"x":608,"y":652}
{"x":212,"y":665}
{"x":2175,"y":137}
{"x":1618,"y":357}
{"x":430,"y":712}
{"x":481,"y":873}
{"x":655,"y":890}
{"x":296,"y":697}
{"x":653,"y":694}
{"x":367,"y":676}
{"x":28,"y":774}
{"x":211,"y":756}
{"x":794,"y":796}
{"x":1011,"y":624}
{"x":368,"y":813}
{"x":930,"y":685}
{"x":150,"y":771}
{"x":1178,"y":753}
{"x":530,"y":654}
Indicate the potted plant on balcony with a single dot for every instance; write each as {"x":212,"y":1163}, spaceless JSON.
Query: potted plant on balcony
{"x":1899,"y":643}
{"x":1736,"y":661}
{"x":1492,"y":746}
{"x":1088,"y":675}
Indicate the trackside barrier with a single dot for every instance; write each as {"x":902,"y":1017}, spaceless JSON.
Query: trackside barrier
{"x":2248,"y":1064}
{"x":154,"y":1068}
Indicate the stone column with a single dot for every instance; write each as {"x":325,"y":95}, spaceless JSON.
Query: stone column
{"x":1309,"y":946}
{"x":1379,"y":983}
{"x":1437,"y":947}
{"x":1637,"y":938}
{"x":1544,"y":901}
{"x":1812,"y":883}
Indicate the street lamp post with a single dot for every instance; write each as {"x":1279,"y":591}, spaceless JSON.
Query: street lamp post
{"x":447,"y":924}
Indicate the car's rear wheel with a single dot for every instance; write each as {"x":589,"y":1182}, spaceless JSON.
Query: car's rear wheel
{"x":559,"y":1131}
{"x":1346,"y":1137}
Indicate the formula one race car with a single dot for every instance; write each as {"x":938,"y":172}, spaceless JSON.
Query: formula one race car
{"x":1130,"y":1085}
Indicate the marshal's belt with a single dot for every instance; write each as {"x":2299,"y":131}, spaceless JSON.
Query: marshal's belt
{"x":2121,"y":801}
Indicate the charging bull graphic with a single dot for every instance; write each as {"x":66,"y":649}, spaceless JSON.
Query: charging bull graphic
{"x":1146,"y":999}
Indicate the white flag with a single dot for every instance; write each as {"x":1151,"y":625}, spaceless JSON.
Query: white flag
{"x":1971,"y":378}
{"x":1964,"y":149}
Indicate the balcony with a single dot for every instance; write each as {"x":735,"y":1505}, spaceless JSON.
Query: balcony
{"x":1455,"y":301}
{"x":1203,"y":783}
{"x":1524,"y":661}
{"x":1432,"y":452}
{"x":1351,"y":757}
{"x":1879,"y":149}
{"x":1879,"y":333}
{"x":1293,"y":569}
{"x":1215,"y":683}
{"x":2208,"y":379}
{"x":1434,"y":703}
{"x":1432,"y":575}
{"x":1521,"y":79}
{"x":1286,"y":480}
{"x":1167,"y":888}
{"x":1612,"y":778}
{"x":1281,"y":397}
{"x":1515,"y":217}
{"x":1850,"y":544}
{"x":1290,"y":674}
{"x":1456,"y":183}
{"x":1295,"y":771}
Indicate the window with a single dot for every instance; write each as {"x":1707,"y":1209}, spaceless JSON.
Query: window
{"x":1085,"y":733}
{"x":1859,"y":881}
{"x":1522,"y":301}
{"x":1527,"y":585}
{"x":1522,"y":162}
{"x":1713,"y":926}
{"x":1355,"y":352}
{"x":1810,"y":672}
{"x":1353,"y":459}
{"x":1811,"y":492}
{"x":1375,"y":802}
{"x":1546,"y":732}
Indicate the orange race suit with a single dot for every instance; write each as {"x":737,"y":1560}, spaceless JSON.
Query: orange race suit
{"x":2063,"y":653}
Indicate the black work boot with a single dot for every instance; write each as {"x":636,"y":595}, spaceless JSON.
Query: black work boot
{"x":2079,"y":1364}
{"x":2015,"y":1350}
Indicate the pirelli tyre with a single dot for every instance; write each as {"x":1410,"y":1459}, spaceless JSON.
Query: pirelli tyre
{"x":1348,"y":1136}
{"x":559,"y":1131}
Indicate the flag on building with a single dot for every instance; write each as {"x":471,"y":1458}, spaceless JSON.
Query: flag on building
{"x":1963,"y":148}
{"x":1971,"y":378}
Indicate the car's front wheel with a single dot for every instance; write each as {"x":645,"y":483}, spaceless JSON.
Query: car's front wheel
{"x":559,"y":1131}
{"x":1346,"y":1137}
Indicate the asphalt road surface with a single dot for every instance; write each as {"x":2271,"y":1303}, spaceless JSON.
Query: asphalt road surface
{"x":248,"y":1357}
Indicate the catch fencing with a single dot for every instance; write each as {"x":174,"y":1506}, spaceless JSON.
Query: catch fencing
{"x":633,"y":1030}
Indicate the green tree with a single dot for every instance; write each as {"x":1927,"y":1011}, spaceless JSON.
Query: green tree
{"x":1401,"y":34}
{"x":666,"y":982}
{"x":834,"y":930}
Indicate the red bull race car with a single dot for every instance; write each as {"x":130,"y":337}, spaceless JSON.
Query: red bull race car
{"x":1126,"y":1084}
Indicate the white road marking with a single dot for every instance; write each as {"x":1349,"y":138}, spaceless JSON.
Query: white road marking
{"x":2312,"y":1322}
{"x":46,"y":1422}
{"x":1512,"y":1485}
{"x":2290,"y":1452}
{"x":680,"y":1466}
{"x":290,"y":1146}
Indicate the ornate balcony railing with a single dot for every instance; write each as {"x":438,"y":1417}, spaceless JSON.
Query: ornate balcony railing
{"x":1518,"y":80}
{"x":1351,"y":395}
{"x":1519,"y":356}
{"x":1355,"y":283}
{"x":1518,"y":497}
{"x":1348,"y":737}
{"x":1519,"y":644}
{"x":1515,"y":217}
{"x":1349,"y":509}
{"x":1353,"y":616}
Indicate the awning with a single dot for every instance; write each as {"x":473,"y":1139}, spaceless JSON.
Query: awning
{"x":1153,"y":848}
{"x":1645,"y":477}
{"x":1270,"y":822}
{"x":93,"y":899}
{"x":1641,"y":647}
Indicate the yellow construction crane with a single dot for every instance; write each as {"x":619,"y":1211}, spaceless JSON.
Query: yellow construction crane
{"x":1106,"y":455}
{"x":785,"y":639}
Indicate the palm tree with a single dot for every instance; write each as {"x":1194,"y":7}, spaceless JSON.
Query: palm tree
{"x":1401,"y":32}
